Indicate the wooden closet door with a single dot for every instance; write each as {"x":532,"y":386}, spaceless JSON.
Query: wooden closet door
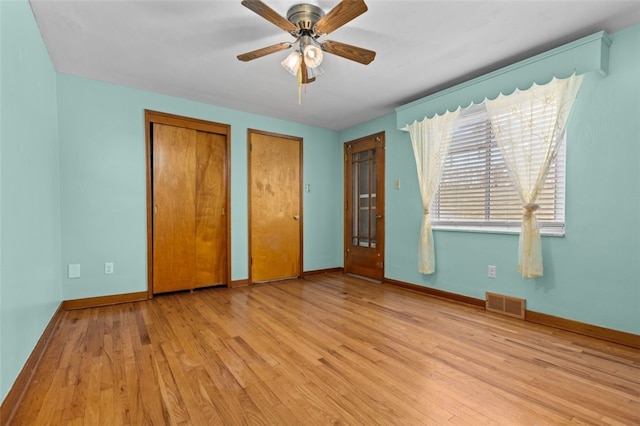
{"x":210,"y":213}
{"x":174,"y":205}
{"x":188,"y":220}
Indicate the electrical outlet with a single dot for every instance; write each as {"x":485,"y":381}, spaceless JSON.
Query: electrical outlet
{"x":74,"y":270}
{"x":108,"y":268}
{"x":491,"y":271}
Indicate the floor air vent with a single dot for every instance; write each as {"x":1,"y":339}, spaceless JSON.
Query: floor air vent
{"x":505,"y":305}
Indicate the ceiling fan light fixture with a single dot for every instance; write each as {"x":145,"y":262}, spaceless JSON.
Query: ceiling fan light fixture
{"x":311,"y":51}
{"x":315,"y":72}
{"x":292,"y":62}
{"x":312,"y":56}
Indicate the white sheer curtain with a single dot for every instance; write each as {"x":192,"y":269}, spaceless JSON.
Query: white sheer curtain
{"x":529,"y":127}
{"x":430,"y":139}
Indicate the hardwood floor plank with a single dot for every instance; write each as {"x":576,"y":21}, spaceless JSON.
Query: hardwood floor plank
{"x":329,"y":349}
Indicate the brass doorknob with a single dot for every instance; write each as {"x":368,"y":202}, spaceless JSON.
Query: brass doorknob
{"x":296,"y":216}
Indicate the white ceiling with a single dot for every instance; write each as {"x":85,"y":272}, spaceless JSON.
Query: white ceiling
{"x":188,"y":49}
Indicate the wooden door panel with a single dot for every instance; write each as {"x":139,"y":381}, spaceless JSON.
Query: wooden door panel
{"x":364,"y":206}
{"x":210,"y":220}
{"x":188,"y":218}
{"x":174,"y":207}
{"x":275,"y":215}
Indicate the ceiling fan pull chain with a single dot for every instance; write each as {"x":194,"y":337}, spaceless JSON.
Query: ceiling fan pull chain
{"x":300,"y":85}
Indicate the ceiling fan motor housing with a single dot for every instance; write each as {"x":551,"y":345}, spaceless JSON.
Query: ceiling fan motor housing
{"x":304,"y":16}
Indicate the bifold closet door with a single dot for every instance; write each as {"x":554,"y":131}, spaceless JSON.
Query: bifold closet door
{"x":174,"y":205}
{"x":189,"y":228}
{"x":211,"y":229}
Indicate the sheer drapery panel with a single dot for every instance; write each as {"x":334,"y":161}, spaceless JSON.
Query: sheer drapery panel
{"x":430,"y":139}
{"x":529,"y":128}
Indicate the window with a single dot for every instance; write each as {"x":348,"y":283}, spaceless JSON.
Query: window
{"x":475,"y":190}
{"x":364,"y":198}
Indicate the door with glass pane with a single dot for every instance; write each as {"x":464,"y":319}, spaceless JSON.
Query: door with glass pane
{"x":364,"y":207}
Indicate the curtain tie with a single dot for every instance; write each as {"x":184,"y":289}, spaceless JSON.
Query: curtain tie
{"x":529,"y":209}
{"x":426,"y":212}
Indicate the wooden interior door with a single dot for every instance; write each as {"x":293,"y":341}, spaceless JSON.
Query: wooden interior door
{"x":189,"y":197}
{"x":275,"y":209}
{"x":364,"y":206}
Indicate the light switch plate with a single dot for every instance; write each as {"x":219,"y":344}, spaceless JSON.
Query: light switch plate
{"x":491,"y":271}
{"x":74,"y":270}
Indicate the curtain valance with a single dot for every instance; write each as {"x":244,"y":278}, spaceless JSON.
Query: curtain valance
{"x":582,"y":56}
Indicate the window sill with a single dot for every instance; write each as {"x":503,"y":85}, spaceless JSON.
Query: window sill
{"x":496,"y":230}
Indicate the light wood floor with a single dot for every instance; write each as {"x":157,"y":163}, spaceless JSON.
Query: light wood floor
{"x":324,"y":350}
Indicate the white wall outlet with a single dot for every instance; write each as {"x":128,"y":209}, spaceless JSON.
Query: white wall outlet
{"x":491,"y":271}
{"x":398,"y":184}
{"x":73,"y":270}
{"x":108,"y":268}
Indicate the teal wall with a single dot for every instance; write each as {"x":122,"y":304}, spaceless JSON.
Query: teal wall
{"x":2,"y":373}
{"x":30,"y":286}
{"x":591,"y":274}
{"x":103,"y":184}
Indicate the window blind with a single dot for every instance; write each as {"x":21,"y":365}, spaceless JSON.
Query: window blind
{"x":475,"y":190}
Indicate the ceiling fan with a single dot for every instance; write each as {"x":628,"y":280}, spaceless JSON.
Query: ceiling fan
{"x":307,"y":22}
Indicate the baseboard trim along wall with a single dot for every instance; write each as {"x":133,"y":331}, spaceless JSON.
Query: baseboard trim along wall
{"x":437,"y":293}
{"x":20,"y":385}
{"x":239,"y":283}
{"x":602,"y":333}
{"x":323,"y":271}
{"x":608,"y":334}
{"x":94,"y":302}
{"x":245,"y":282}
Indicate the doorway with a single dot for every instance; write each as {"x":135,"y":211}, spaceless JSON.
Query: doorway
{"x":364,"y":165}
{"x":187,"y":203}
{"x":275,"y":206}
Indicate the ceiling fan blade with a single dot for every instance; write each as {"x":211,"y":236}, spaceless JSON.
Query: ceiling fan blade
{"x":344,"y":12}
{"x":270,"y":15}
{"x":255,"y":54}
{"x":353,"y":53}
